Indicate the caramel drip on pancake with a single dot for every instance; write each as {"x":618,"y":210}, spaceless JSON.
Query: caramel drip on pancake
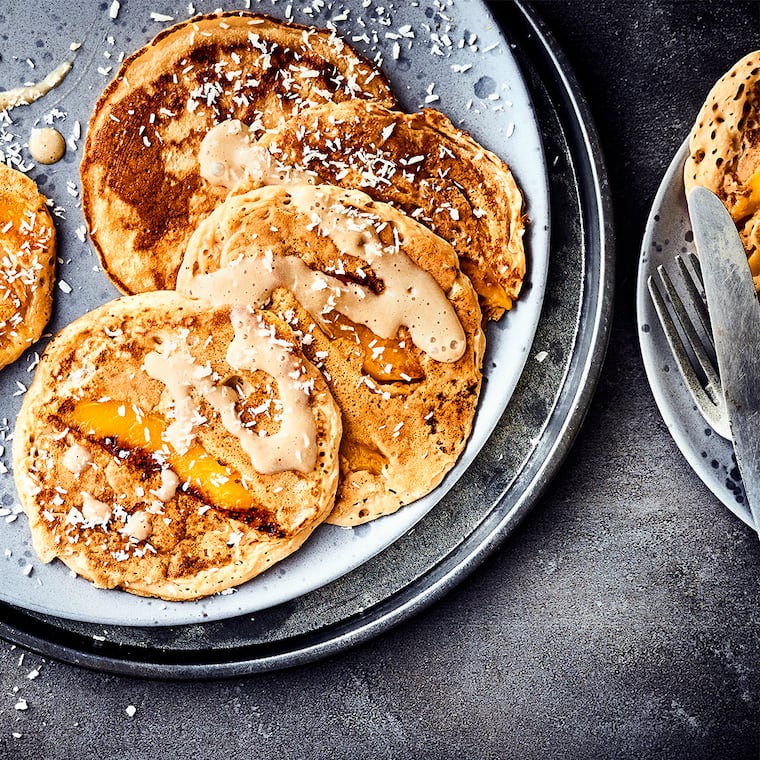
{"x":254,"y":347}
{"x":229,"y":153}
{"x":410,"y":296}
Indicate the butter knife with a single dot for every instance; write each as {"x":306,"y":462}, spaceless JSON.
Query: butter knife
{"x":735,"y":320}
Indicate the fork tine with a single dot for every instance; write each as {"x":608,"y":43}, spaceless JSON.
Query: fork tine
{"x":713,"y":386}
{"x":696,"y":294}
{"x":709,"y":402}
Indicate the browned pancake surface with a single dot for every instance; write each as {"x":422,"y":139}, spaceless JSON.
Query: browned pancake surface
{"x":102,"y":483}
{"x":141,"y":190}
{"x":406,"y":416}
{"x":27,"y":263}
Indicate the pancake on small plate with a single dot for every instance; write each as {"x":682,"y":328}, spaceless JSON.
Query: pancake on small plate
{"x":142,"y":194}
{"x":724,"y":151}
{"x":380,"y":306}
{"x":420,"y":162}
{"x":27,"y":263}
{"x":172,"y":449}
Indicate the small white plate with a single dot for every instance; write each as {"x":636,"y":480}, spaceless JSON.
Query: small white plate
{"x":668,"y":232}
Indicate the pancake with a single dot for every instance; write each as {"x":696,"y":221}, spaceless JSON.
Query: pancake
{"x":420,"y":163}
{"x":172,"y":449}
{"x":141,"y":191}
{"x":724,"y":151}
{"x":27,"y":263}
{"x":381,"y":307}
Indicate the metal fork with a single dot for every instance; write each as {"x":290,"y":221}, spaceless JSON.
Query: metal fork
{"x":692,"y":347}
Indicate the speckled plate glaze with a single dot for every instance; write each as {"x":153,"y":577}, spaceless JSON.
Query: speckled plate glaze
{"x":668,"y":232}
{"x":488,"y":99}
{"x":548,"y":377}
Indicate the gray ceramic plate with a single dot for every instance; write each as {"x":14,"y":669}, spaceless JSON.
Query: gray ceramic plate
{"x":481,"y":70}
{"x":668,"y":232}
{"x":488,"y":99}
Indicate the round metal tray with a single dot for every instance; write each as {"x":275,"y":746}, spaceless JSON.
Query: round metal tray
{"x":492,"y":496}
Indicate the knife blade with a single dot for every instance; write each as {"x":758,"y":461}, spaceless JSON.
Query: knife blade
{"x":735,"y":320}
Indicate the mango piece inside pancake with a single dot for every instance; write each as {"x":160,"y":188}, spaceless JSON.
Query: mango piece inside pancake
{"x":380,"y":306}
{"x":27,"y":263}
{"x":142,"y":194}
{"x":724,"y":151}
{"x":420,"y":163}
{"x":175,"y":450}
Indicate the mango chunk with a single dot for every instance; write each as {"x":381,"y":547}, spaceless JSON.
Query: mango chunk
{"x":486,"y":286}
{"x":747,"y":205}
{"x":385,"y":360}
{"x":754,"y":262}
{"x":130,"y":428}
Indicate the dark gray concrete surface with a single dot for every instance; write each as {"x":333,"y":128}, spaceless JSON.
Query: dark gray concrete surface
{"x":622,"y":620}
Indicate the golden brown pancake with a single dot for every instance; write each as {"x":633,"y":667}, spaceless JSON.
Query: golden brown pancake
{"x":724,"y":151}
{"x":27,"y":263}
{"x":172,"y":449}
{"x":380,"y":306}
{"x":141,"y":191}
{"x":422,"y":164}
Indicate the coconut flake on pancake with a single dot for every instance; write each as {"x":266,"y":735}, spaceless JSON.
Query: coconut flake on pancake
{"x":27,"y":263}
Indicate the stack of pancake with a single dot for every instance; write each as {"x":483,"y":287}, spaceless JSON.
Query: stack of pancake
{"x":306,"y":274}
